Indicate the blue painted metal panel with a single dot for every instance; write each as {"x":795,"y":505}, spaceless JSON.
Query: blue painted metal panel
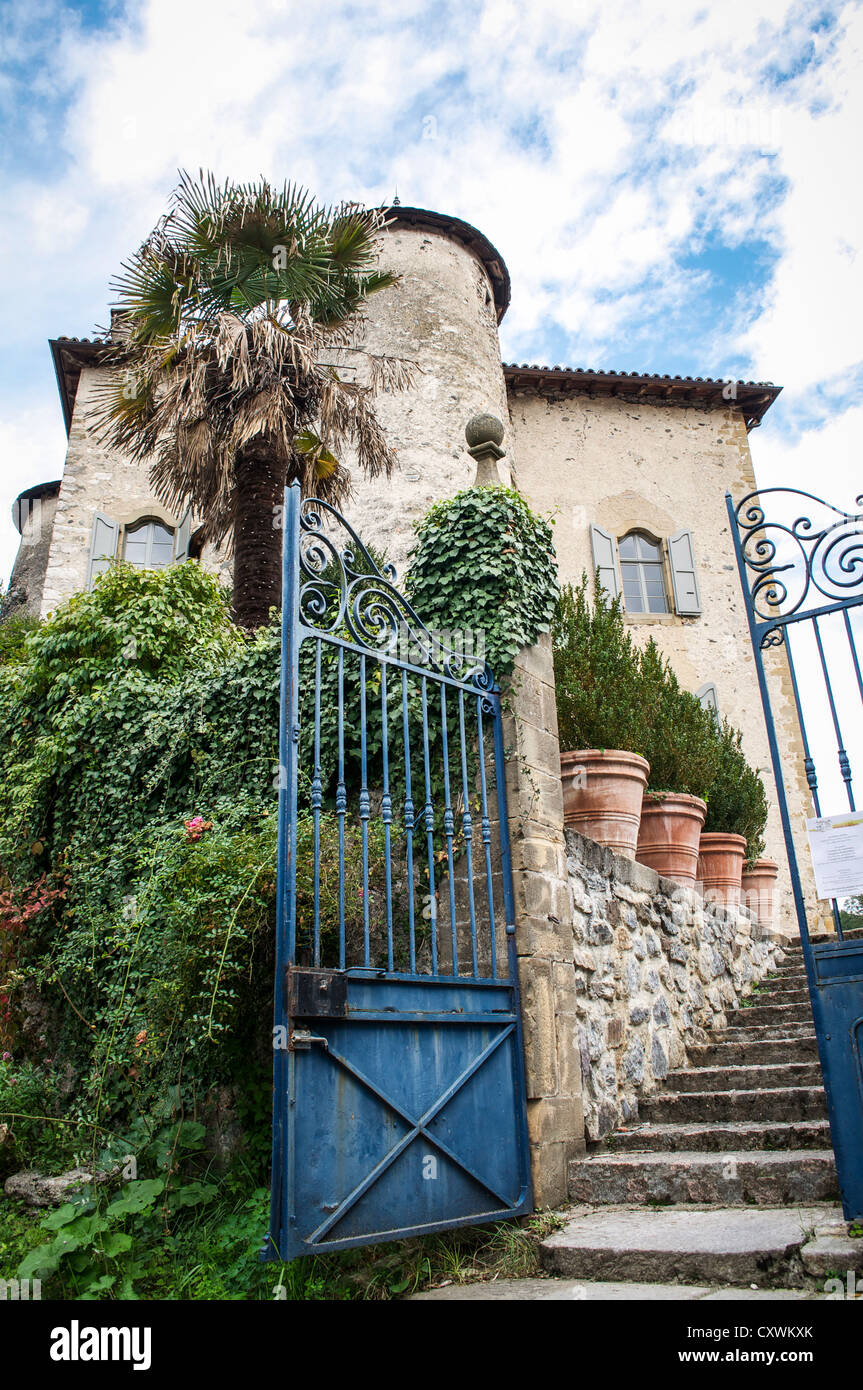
{"x":788,"y":563}
{"x":399,"y":1083}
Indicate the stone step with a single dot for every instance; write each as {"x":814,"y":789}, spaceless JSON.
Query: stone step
{"x":773,"y":1013}
{"x":761,"y":1077}
{"x":720,"y":1136}
{"x":783,"y":996}
{"x":764,"y":1032}
{"x":784,"y":1103}
{"x":730,"y":1178}
{"x":736,"y":1245}
{"x":547,"y":1290}
{"x":746,"y":1054}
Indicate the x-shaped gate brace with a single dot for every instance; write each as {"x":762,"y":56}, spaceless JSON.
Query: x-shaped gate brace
{"x":417,"y":1127}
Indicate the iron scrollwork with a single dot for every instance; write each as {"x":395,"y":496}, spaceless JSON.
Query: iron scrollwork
{"x":792,"y":561}
{"x":343,"y":592}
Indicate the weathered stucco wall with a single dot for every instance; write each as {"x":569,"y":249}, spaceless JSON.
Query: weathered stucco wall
{"x":441,"y":315}
{"x":655,"y":969}
{"x":624,"y":464}
{"x":96,"y":479}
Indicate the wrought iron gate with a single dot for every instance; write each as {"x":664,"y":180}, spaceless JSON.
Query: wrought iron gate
{"x":399,"y":1094}
{"x":802,"y":579}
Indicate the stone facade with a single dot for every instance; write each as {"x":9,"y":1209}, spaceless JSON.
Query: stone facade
{"x":672,"y":465}
{"x":655,"y":969}
{"x":623,"y":459}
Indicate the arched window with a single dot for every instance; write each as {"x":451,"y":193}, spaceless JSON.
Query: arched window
{"x":148,"y":544}
{"x":643,"y":574}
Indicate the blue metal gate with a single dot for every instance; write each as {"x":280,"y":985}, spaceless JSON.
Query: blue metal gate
{"x":802,"y":579}
{"x":399,"y":1093}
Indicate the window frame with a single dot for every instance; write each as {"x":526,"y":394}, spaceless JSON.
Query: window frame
{"x":643,"y":566}
{"x":140,"y":524}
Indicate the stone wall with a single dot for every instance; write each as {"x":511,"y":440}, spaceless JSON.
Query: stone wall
{"x":36,"y":522}
{"x":655,"y":969}
{"x":543,"y":920}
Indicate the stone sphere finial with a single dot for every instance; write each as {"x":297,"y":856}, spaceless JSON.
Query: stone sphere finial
{"x":483,"y":429}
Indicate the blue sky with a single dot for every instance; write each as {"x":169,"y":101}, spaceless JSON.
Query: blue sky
{"x":673,"y":186}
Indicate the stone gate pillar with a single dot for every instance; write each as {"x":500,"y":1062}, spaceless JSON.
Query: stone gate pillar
{"x":543,"y":914}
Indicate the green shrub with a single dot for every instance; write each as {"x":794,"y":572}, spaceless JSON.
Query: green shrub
{"x":610,"y":694}
{"x":597,"y":673}
{"x":14,"y":632}
{"x":680,"y":742}
{"x":736,"y":800}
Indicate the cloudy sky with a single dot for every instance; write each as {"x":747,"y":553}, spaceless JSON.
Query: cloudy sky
{"x":675,"y":186}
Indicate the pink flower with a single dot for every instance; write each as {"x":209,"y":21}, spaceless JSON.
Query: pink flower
{"x":196,"y":827}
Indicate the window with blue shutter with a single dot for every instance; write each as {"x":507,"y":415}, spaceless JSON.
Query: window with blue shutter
{"x":681,"y":556}
{"x":103,"y":546}
{"x":605,"y":560}
{"x":184,"y":533}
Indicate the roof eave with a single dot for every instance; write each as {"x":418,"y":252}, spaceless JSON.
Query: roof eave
{"x":752,"y":398}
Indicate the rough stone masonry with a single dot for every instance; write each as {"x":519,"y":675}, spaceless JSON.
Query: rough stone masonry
{"x":655,"y":968}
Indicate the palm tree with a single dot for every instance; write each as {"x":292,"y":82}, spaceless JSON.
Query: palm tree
{"x":234,"y":322}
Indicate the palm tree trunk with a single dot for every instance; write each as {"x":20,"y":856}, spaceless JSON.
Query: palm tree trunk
{"x":260,"y":482}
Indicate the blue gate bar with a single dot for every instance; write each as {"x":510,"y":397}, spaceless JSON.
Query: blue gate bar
{"x":317,"y":797}
{"x":387,"y":813}
{"x":365,"y":810}
{"x":844,"y":764}
{"x":808,"y":760}
{"x":485,"y":830}
{"x":428,"y":817}
{"x":409,"y":822}
{"x":467,"y":832}
{"x":448,"y":830}
{"x":341,"y":806}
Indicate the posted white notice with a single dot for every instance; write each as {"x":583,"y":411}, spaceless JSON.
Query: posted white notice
{"x":836,"y":843}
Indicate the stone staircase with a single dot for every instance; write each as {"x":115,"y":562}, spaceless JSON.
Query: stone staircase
{"x":730,"y":1178}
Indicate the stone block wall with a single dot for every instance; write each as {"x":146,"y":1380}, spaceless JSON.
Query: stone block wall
{"x":543,"y":920}
{"x":655,"y":969}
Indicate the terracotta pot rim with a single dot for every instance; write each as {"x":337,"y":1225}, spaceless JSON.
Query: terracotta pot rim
{"x":762,"y":866}
{"x":660,"y":799}
{"x":713,"y":837}
{"x":603,"y":754}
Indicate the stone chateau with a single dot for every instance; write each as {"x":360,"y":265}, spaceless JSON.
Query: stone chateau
{"x":633,"y":467}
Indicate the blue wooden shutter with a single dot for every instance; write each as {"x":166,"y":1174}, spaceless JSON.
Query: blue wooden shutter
{"x":681,"y":555}
{"x":604,"y":549}
{"x":184,"y":532}
{"x":103,"y":546}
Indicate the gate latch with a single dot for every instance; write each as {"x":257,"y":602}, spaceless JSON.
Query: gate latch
{"x":301,"y":1040}
{"x":317,"y":993}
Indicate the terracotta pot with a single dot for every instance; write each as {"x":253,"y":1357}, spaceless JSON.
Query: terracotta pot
{"x":602,"y":792}
{"x":669,"y":834}
{"x":758,"y":890}
{"x":720,"y":867}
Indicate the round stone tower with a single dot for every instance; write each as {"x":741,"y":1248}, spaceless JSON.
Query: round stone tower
{"x":33,"y":513}
{"x":442,"y":315}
